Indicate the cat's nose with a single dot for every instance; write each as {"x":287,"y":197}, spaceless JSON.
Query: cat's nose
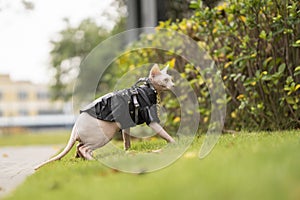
{"x":172,"y":85}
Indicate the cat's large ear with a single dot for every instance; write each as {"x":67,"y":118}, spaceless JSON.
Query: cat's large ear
{"x":165,"y":69}
{"x":155,"y":71}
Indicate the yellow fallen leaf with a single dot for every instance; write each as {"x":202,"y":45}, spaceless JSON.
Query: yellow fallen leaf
{"x":241,"y":96}
{"x":215,"y":30}
{"x":176,"y":119}
{"x":253,"y":83}
{"x":233,"y":115}
{"x":243,"y":18}
{"x":205,"y":119}
{"x":227,"y":64}
{"x":172,"y":63}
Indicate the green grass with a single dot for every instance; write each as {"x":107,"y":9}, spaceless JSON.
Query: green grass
{"x":55,"y":137}
{"x":243,"y":166}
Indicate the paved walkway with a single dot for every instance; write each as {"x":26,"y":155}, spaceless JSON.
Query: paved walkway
{"x":16,"y":163}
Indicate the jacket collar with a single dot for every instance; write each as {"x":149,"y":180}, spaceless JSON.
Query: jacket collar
{"x":147,"y":82}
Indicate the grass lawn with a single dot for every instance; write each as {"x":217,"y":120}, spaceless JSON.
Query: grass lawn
{"x":50,"y":137}
{"x":241,"y":166}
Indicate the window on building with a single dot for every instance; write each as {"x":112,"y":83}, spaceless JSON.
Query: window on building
{"x":50,"y":112}
{"x":42,"y":95}
{"x":22,"y":95}
{"x":23,"y":112}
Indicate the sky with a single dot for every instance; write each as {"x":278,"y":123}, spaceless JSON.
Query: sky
{"x":25,"y":34}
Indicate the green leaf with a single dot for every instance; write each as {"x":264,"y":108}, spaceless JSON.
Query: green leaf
{"x":290,"y":100}
{"x":296,"y":44}
{"x":297,"y":73}
{"x":266,"y":77}
{"x":289,"y":80}
{"x":263,"y":35}
{"x":281,"y":68}
{"x":297,"y":69}
{"x":266,"y":61}
{"x":194,"y":5}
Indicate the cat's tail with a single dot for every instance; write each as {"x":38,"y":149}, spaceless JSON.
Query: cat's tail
{"x":71,"y":142}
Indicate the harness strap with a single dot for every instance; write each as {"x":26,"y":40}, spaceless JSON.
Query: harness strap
{"x":136,"y":104}
{"x":147,"y":81}
{"x":134,"y":93}
{"x":136,"y":109}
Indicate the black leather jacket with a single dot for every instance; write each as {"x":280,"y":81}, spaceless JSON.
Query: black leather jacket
{"x":129,"y":107}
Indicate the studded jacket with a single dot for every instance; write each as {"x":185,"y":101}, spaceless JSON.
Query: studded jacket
{"x":128,"y":107}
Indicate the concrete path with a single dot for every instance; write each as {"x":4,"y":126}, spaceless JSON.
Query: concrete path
{"x":16,"y":163}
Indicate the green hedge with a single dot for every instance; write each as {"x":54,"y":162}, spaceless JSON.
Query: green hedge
{"x":256,"y":46}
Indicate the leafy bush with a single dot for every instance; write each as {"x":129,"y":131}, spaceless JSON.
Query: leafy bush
{"x":256,"y":46}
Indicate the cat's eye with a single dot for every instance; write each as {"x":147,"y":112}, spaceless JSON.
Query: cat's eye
{"x":166,"y":80}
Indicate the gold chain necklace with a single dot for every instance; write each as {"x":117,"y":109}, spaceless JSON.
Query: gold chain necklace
{"x":158,"y":103}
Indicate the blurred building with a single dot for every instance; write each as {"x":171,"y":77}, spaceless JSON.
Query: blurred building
{"x":28,"y":105}
{"x":23,"y":98}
